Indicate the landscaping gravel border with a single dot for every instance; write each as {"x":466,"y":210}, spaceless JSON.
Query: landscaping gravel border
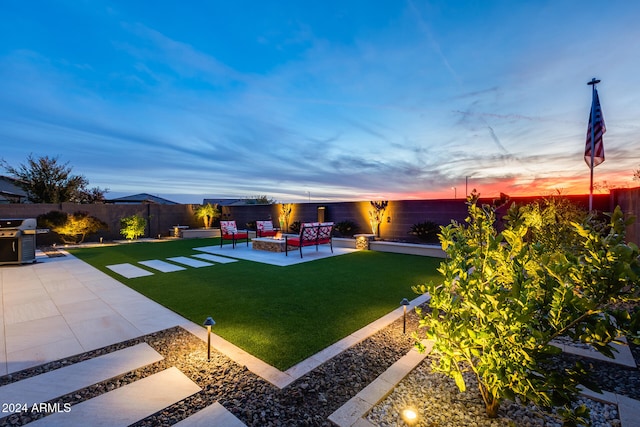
{"x":309,"y":400}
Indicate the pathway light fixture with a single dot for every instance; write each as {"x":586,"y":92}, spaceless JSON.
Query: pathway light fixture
{"x":209,"y":323}
{"x":404,"y":303}
{"x":409,"y":416}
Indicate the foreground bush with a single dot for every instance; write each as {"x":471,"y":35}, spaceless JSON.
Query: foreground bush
{"x":506,"y":295}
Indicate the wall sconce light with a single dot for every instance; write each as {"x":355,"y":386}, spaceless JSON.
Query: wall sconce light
{"x":209,"y":323}
{"x":404,"y":303}
{"x":388,"y":219}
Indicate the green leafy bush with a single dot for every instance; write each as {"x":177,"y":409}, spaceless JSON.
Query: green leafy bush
{"x":133,"y":226}
{"x":425,"y":231}
{"x":505,"y":296}
{"x":346,"y":228}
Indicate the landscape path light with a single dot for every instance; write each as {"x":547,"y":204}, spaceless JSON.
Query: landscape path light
{"x":209,"y":323}
{"x":404,"y":303}
{"x":409,"y":416}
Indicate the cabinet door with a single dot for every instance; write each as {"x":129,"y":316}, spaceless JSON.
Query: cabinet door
{"x":8,"y":250}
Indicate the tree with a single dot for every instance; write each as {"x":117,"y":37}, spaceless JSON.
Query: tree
{"x":47,"y":181}
{"x":208,"y":213}
{"x":72,"y":228}
{"x":260,"y":200}
{"x":507,"y":295}
{"x":377,"y":215}
{"x":285,"y":216}
{"x":133,"y":226}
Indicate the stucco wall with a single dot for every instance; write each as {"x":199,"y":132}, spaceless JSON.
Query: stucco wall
{"x":402,"y":214}
{"x":160,"y":218}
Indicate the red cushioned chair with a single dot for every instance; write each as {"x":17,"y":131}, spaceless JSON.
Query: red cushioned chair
{"x":265,"y":229}
{"x":325,"y":230}
{"x":229,"y":231}
{"x":311,"y":233}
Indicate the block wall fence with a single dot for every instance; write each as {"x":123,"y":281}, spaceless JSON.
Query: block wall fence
{"x":399,"y":216}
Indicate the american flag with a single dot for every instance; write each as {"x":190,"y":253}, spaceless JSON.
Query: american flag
{"x":599,"y":130}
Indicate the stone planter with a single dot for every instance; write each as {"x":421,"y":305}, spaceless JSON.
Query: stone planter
{"x":193,"y":233}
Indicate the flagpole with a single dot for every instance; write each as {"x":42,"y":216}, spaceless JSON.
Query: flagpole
{"x":593,"y":84}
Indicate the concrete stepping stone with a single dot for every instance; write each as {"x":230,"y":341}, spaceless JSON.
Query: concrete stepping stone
{"x":162,"y":266}
{"x":53,"y":384}
{"x":214,"y":415}
{"x":622,"y":356}
{"x":215,"y":258}
{"x":129,"y":271}
{"x":128,"y":404}
{"x":196,"y":263}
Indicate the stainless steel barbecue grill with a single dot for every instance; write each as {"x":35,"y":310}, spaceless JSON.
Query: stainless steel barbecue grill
{"x":17,"y":241}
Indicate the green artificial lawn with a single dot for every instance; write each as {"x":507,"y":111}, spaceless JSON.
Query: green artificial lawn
{"x":281,"y":315}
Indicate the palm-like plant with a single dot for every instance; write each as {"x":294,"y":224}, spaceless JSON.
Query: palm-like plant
{"x":208,"y":213}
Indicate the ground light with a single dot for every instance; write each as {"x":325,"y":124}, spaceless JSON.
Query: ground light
{"x":209,"y":323}
{"x":409,"y":416}
{"x":404,"y":303}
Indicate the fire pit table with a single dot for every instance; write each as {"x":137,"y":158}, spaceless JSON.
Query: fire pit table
{"x":269,"y":244}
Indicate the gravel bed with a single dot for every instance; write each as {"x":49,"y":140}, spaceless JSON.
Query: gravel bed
{"x":306,"y":402}
{"x":312,"y":398}
{"x":438,"y":402}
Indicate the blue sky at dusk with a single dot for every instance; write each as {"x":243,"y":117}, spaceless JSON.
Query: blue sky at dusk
{"x":332,"y":100}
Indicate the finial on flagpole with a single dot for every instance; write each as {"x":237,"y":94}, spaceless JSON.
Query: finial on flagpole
{"x":593,"y":81}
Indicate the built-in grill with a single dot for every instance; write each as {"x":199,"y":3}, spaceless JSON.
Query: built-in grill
{"x":17,"y":241}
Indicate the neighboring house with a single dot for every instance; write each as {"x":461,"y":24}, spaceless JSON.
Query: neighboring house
{"x":225,"y":202}
{"x":10,"y":192}
{"x":137,"y":199}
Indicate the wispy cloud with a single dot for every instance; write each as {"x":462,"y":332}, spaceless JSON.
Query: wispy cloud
{"x":404,"y":109}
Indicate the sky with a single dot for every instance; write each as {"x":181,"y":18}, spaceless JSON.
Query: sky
{"x":321,"y":101}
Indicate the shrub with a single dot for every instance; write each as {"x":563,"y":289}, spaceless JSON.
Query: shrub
{"x":52,"y":219}
{"x":426,"y":231}
{"x":133,"y":226}
{"x":505,"y":296}
{"x":346,"y":228}
{"x":72,"y":228}
{"x":295,"y":227}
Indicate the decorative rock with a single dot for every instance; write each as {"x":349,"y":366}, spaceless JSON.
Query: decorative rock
{"x":312,"y":399}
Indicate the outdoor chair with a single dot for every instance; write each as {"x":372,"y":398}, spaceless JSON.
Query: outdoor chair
{"x":325,"y":231}
{"x":311,"y":233}
{"x":265,"y":229}
{"x":229,"y":231}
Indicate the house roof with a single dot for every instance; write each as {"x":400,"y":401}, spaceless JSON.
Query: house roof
{"x":225,"y":202}
{"x":10,"y":191}
{"x":141,"y":198}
